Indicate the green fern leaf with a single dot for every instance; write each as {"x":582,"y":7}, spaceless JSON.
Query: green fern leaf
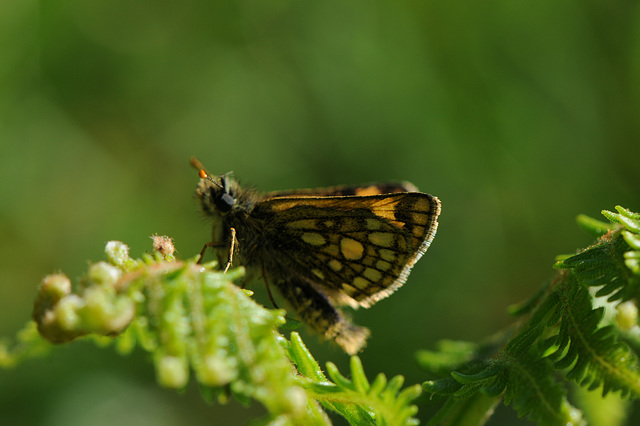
{"x":614,"y":262}
{"x":594,"y":227}
{"x":593,"y":354}
{"x":357,"y":400}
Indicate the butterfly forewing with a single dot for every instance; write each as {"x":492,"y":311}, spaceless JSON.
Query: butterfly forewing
{"x":361,"y":246}
{"x":347,"y":190}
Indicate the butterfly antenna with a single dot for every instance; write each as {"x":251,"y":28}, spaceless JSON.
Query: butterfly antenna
{"x":195,"y":163}
{"x":202,"y":172}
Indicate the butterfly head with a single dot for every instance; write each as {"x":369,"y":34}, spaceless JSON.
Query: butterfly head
{"x":216,"y":193}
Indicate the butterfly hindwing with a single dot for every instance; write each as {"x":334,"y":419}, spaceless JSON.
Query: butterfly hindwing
{"x":316,"y":308}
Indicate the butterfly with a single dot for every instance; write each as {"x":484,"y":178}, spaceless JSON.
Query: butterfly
{"x":322,"y":248}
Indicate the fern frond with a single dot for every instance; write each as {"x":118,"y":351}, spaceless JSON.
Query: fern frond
{"x":530,"y":304}
{"x":525,"y":381}
{"x":564,"y":332}
{"x":604,"y":265}
{"x":613,"y":262}
{"x":536,"y":393}
{"x":519,"y":373}
{"x":357,"y":400}
{"x":593,"y":354}
{"x":190,"y":318}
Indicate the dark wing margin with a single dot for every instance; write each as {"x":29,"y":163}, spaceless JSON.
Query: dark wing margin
{"x":360,"y":248}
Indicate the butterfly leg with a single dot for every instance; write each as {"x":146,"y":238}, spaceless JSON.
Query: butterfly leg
{"x":231,"y":250}
{"x":204,"y":249}
{"x":266,"y":283}
{"x":213,"y":244}
{"x":314,"y":308}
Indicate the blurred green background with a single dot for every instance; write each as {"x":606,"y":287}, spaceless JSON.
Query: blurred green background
{"x":518,"y":116}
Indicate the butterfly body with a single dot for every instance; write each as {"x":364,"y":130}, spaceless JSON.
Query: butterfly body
{"x":323,"y":248}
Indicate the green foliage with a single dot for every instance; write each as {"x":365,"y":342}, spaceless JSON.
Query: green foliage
{"x":357,"y":400}
{"x":572,"y":333}
{"x":192,"y":318}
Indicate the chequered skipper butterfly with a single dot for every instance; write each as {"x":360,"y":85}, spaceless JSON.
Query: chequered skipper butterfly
{"x":322,"y":248}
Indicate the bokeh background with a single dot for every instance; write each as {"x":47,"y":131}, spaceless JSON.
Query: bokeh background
{"x":517,"y":115}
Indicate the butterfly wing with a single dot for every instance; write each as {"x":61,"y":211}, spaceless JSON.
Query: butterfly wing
{"x":347,"y":190}
{"x":359,"y":246}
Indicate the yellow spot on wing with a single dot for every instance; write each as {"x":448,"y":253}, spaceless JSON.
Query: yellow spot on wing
{"x":372,"y":275}
{"x":335,"y":265}
{"x":420,"y":219}
{"x":313,"y":239}
{"x":382,"y":265}
{"x":360,"y":283}
{"x":388,"y":255}
{"x":386,"y":209}
{"x":349,"y":289}
{"x":318,"y":273}
{"x":351,"y":249}
{"x":390,"y":215}
{"x":422,"y":205}
{"x":284,"y":205}
{"x":382,"y":239}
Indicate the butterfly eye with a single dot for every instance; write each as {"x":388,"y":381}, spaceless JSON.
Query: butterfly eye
{"x":224,"y":202}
